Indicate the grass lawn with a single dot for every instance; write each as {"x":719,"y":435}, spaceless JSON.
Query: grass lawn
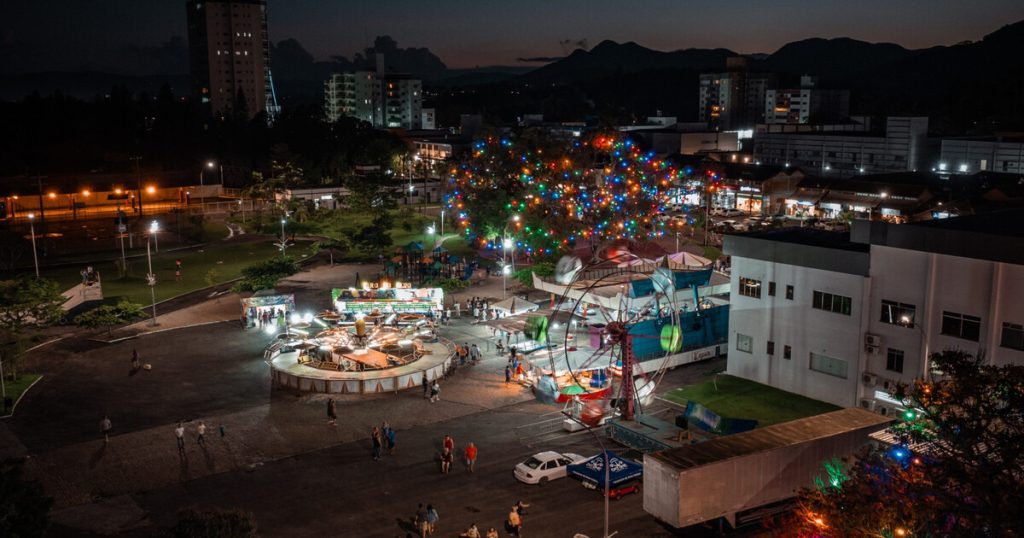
{"x":227,"y":259}
{"x":16,"y":388}
{"x":712,"y":253}
{"x":740,"y":398}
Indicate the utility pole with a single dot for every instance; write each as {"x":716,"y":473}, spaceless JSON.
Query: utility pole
{"x":138,"y":180}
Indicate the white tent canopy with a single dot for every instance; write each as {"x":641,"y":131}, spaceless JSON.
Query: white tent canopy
{"x":515,"y":305}
{"x":686,"y":259}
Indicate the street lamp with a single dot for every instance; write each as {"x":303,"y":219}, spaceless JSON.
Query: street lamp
{"x":32,"y":230}
{"x":504,"y":275}
{"x":150,"y":277}
{"x":153,"y":228}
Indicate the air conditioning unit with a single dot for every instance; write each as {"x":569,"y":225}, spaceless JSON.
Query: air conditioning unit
{"x":870,"y":349}
{"x":867,"y":404}
{"x":869,"y":380}
{"x":872,"y":340}
{"x":882,"y":410}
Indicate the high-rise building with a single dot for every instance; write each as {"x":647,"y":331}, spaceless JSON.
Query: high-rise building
{"x":734,"y":99}
{"x":229,"y":54}
{"x":382,"y":99}
{"x":806,"y":104}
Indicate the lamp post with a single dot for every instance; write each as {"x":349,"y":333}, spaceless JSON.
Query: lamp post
{"x":284,"y":242}
{"x":150,"y":277}
{"x":32,"y":230}
{"x":504,"y":275}
{"x":153,"y":228}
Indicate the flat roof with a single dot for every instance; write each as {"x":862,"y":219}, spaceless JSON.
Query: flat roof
{"x":771,"y":437}
{"x":996,"y":236}
{"x":804,"y":247}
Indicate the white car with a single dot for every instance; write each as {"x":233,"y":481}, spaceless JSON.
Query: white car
{"x":545,"y":466}
{"x":731,"y":212}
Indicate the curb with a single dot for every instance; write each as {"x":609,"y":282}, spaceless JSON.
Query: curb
{"x":23,"y":393}
{"x":123,"y":338}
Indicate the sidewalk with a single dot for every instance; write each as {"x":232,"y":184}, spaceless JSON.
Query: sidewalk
{"x":222,"y":308}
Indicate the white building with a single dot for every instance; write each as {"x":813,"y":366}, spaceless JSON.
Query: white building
{"x":966,"y":156}
{"x":900,"y":148}
{"x":841,"y":317}
{"x":383,"y":100}
{"x":806,"y":104}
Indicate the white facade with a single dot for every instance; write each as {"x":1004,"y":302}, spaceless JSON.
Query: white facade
{"x":385,"y":101}
{"x":970,"y":156}
{"x":900,"y":149}
{"x":911,"y":302}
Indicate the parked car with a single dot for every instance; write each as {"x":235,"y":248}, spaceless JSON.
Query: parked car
{"x":731,"y":212}
{"x":545,"y":466}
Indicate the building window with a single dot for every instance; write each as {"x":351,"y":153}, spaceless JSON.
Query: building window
{"x":832,"y":302}
{"x":771,"y":289}
{"x":1013,"y":336}
{"x":789,"y":292}
{"x":771,"y":348}
{"x":961,"y":326}
{"x":744,"y":343}
{"x":894,"y":360}
{"x":900,"y":314}
{"x":828,"y":365}
{"x":750,"y":287}
{"x":787,"y":352}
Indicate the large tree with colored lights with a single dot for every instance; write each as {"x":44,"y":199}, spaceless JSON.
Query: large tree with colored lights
{"x":957,"y":470}
{"x":548,"y":193}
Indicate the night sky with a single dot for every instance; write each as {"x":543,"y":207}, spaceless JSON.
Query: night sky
{"x":94,"y":34}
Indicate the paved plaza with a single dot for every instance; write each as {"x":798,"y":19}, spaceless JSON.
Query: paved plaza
{"x":277,"y":457}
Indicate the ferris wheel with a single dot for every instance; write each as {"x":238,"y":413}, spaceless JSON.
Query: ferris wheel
{"x":631,"y":311}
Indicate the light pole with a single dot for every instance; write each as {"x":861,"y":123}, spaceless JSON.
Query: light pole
{"x":504,"y":275}
{"x":153,"y":228}
{"x":150,"y":277}
{"x":32,"y":230}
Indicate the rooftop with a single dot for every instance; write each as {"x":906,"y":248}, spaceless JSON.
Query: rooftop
{"x":772,"y":437}
{"x":812,"y":237}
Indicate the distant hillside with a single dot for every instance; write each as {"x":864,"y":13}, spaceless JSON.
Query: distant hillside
{"x":819,"y":56}
{"x":86,"y":85}
{"x":610,"y":58}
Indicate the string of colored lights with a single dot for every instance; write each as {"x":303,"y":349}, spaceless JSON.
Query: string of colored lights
{"x":600,"y":188}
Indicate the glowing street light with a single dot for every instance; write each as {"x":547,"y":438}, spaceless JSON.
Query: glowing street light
{"x":32,"y":230}
{"x":150,"y":277}
{"x":153,"y":229}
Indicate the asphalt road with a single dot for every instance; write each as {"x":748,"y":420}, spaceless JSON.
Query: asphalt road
{"x":211,"y":369}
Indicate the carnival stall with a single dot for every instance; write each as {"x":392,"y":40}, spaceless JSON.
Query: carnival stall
{"x":267,"y":308}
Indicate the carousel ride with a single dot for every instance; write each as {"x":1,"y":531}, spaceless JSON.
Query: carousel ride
{"x":373,"y":351}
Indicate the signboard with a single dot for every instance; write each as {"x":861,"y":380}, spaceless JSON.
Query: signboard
{"x":121,"y":228}
{"x":400,"y":300}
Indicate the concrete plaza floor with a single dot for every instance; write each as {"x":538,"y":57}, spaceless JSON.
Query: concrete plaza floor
{"x":278,"y":458}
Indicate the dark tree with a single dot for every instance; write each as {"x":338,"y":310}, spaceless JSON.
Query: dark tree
{"x":24,"y":508}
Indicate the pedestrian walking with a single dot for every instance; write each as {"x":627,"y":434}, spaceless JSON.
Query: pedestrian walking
{"x":514,"y":523}
{"x":508,"y":374}
{"x":105,"y":427}
{"x":177,"y":274}
{"x":458,"y":310}
{"x":421,"y":520}
{"x":332,"y":413}
{"x":135,"y":359}
{"x":426,"y":386}
{"x":491,"y":533}
{"x":432,"y":519}
{"x":448,"y":443}
{"x":179,"y":433}
{"x":474,"y":353}
{"x":446,"y":461}
{"x":177,"y":264}
{"x":470,"y":456}
{"x":391,"y":440}
{"x":435,"y":392}
{"x":376,"y":439}
{"x":201,"y":429}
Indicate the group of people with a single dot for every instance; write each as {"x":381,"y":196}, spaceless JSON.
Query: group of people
{"x":179,"y":435}
{"x":255,"y":318}
{"x":383,"y":438}
{"x":467,"y":352}
{"x":448,"y":455}
{"x":514,"y":370}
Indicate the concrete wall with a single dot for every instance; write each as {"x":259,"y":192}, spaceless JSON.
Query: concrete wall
{"x":796,"y":324}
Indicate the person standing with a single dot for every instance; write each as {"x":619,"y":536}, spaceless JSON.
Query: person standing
{"x":177,"y":274}
{"x":426,"y":386}
{"x":201,"y":429}
{"x":332,"y":413}
{"x":135,"y":359}
{"x":376,"y":439}
{"x":179,"y":433}
{"x":435,"y":392}
{"x":448,"y":443}
{"x":470,"y":456}
{"x":105,"y":427}
{"x":458,"y":310}
{"x":432,"y":518}
{"x":446,"y":461}
{"x":491,"y":533}
{"x":391,"y":440}
{"x":508,"y":374}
